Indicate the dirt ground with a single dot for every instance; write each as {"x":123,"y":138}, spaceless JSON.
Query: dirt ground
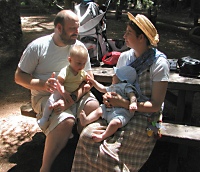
{"x":21,"y":140}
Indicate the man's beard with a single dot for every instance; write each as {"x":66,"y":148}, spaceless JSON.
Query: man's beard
{"x":66,"y":38}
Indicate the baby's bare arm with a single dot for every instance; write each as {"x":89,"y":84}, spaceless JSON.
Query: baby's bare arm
{"x":133,"y":102}
{"x":61,"y":89}
{"x":100,"y":87}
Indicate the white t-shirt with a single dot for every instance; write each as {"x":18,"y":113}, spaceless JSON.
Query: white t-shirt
{"x":159,"y":70}
{"x":42,"y":57}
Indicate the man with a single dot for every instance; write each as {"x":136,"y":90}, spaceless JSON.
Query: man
{"x":39,"y":65}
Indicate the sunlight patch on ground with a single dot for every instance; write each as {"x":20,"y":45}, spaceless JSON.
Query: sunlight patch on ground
{"x":14,"y":131}
{"x":33,"y":24}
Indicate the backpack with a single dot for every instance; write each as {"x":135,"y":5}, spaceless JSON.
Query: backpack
{"x":92,"y":30}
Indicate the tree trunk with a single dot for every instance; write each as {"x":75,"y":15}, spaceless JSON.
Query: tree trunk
{"x":10,"y":30}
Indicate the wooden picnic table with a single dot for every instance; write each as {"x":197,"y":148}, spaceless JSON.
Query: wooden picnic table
{"x":185,"y":86}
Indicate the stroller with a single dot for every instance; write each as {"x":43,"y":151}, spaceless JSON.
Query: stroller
{"x":92,"y":31}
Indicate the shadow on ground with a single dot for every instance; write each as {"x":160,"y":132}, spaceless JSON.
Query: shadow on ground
{"x":28,"y":157}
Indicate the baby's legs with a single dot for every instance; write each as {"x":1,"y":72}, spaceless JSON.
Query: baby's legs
{"x":43,"y":122}
{"x":110,"y":130}
{"x":93,"y":116}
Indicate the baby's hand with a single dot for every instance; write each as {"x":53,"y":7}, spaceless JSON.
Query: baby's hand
{"x":60,"y":88}
{"x":87,"y":87}
{"x":90,"y":79}
{"x":133,"y":107}
{"x":67,"y":97}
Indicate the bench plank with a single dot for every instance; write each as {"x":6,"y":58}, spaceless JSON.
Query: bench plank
{"x":181,"y":134}
{"x":175,"y":133}
{"x":27,"y":110}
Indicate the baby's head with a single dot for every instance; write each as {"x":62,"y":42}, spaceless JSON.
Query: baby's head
{"x":125,"y":74}
{"x":78,"y":57}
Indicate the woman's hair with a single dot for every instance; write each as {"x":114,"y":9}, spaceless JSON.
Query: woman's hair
{"x":138,"y":31}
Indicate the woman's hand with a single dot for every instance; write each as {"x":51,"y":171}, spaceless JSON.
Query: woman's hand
{"x":112,"y":99}
{"x":106,"y":97}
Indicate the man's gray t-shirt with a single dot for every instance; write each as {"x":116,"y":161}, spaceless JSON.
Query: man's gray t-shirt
{"x":42,"y":57}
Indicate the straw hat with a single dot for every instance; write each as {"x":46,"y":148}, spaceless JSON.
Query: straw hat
{"x":146,"y":26}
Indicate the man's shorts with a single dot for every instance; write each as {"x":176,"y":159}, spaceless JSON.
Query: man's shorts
{"x":38,"y":104}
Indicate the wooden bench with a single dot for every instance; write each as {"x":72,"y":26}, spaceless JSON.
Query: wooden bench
{"x":171,"y":132}
{"x":27,"y":110}
{"x":182,"y":135}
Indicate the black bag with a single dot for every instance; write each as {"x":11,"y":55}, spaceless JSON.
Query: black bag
{"x":188,"y":67}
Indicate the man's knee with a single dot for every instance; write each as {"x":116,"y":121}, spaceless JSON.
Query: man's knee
{"x":67,"y":123}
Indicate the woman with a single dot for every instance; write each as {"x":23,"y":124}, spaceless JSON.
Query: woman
{"x":130,"y":147}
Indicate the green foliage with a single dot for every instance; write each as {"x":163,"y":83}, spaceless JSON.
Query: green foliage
{"x":22,"y":3}
{"x":147,"y":4}
{"x":39,"y":5}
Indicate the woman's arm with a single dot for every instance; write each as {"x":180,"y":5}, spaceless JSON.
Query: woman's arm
{"x":158,"y":95}
{"x":159,"y":90}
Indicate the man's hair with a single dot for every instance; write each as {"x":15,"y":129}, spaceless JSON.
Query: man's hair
{"x":60,"y":18}
{"x":63,"y":16}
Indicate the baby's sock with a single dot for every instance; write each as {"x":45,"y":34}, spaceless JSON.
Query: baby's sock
{"x":43,"y":123}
